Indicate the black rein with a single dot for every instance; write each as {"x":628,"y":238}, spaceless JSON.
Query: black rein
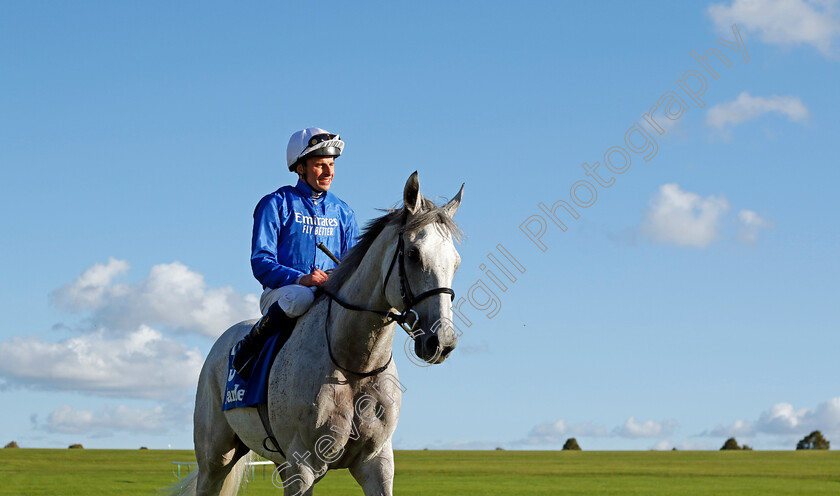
{"x":409,"y":300}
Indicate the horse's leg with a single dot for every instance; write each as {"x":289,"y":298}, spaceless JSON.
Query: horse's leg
{"x":297,"y":480}
{"x":376,"y":475}
{"x":214,"y":469}
{"x":301,"y":470}
{"x":217,"y":448}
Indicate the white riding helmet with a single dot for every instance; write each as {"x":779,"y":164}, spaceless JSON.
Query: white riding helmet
{"x":312,"y":142}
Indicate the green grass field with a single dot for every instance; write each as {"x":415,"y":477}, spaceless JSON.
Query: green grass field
{"x":122,"y":472}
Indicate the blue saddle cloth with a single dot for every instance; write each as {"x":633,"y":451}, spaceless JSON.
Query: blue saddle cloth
{"x":239,"y":392}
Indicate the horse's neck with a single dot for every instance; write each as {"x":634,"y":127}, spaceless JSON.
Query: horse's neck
{"x":362,"y":341}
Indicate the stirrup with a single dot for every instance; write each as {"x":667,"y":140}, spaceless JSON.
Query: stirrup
{"x":275,"y":320}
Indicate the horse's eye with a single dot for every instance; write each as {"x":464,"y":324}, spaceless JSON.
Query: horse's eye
{"x":413,"y":254}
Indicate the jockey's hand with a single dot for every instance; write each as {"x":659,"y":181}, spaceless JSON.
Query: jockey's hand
{"x":316,"y":278}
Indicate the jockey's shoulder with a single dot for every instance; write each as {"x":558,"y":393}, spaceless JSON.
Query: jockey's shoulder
{"x":336,"y":199}
{"x":286,"y":190}
{"x":280,"y":194}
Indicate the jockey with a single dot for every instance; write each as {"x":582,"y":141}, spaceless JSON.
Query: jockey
{"x":288,"y":226}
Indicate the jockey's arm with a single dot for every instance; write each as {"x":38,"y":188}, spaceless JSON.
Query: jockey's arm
{"x":264,"y":263}
{"x":268,"y":268}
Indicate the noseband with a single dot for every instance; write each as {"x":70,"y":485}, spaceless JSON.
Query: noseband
{"x":409,"y":300}
{"x":407,"y":319}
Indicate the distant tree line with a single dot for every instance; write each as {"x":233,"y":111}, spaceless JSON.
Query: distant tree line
{"x":813,"y":441}
{"x":732,"y":444}
{"x":571,"y":445}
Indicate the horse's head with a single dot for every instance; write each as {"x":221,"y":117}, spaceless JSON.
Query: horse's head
{"x":421,"y":272}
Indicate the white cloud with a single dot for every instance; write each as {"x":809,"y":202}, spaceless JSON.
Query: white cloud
{"x":649,"y":428}
{"x":111,"y":419}
{"x":747,"y":107}
{"x":662,"y":445}
{"x":558,"y":431}
{"x":139,"y":364}
{"x":88,"y":290}
{"x":751,"y":222}
{"x":459,"y":444}
{"x":783,"y":420}
{"x":781,"y":22}
{"x":736,"y":428}
{"x":121,"y":350}
{"x":171,"y":295}
{"x":683,"y":218}
{"x":549,"y":433}
{"x":587,"y":429}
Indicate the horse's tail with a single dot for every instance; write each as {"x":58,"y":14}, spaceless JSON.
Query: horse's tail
{"x":235,"y":480}
{"x":184,"y":487}
{"x":238,"y":476}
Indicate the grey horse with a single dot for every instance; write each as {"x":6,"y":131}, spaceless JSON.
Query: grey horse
{"x":333,"y":393}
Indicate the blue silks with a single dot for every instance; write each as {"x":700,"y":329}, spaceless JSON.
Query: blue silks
{"x":288,"y":225}
{"x":239,"y":392}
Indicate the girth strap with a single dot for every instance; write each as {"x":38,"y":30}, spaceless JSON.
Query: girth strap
{"x":262,"y":409}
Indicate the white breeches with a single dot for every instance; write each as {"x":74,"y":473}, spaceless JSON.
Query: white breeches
{"x":294,"y":299}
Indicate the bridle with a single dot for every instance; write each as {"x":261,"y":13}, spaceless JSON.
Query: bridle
{"x":407,"y":319}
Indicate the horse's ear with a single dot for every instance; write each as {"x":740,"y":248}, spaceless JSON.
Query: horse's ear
{"x":411,"y":194}
{"x":452,"y":207}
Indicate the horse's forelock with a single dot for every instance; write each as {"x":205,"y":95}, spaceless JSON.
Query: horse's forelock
{"x":432,"y":214}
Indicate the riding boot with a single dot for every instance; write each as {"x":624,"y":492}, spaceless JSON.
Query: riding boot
{"x":248,"y":349}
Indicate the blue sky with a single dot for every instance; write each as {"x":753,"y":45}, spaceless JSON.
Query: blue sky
{"x":695,"y":298}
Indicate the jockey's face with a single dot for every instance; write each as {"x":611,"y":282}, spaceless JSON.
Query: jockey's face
{"x":318,"y":172}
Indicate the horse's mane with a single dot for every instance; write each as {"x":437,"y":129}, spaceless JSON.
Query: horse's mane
{"x":429,"y":214}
